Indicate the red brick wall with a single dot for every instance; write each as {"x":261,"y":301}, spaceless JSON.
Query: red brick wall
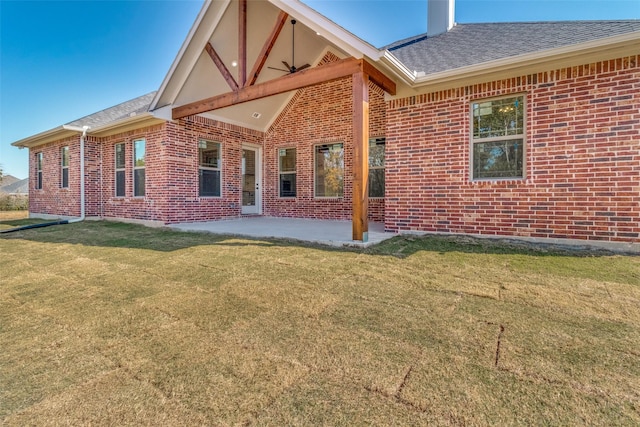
{"x":172,"y":172}
{"x":52,"y":199}
{"x":318,"y":115}
{"x":582,"y":161}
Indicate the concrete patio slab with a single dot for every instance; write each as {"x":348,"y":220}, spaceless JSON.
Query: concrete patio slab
{"x":326,"y":232}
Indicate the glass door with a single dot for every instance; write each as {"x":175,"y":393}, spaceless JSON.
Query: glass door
{"x":250,"y":181}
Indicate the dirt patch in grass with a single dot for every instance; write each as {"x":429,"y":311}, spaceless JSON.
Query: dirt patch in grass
{"x":116,"y":324}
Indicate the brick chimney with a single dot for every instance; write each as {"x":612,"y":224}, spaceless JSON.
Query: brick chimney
{"x":440,"y":16}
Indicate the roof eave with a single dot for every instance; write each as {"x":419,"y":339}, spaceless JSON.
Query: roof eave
{"x":47,"y":136}
{"x":607,"y":46}
{"x":334,"y":33}
{"x":61,"y":132}
{"x":128,"y":123}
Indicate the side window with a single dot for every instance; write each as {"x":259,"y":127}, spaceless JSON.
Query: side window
{"x":287,"y":172}
{"x":329,"y":170}
{"x":209,"y":161}
{"x":498,"y":138}
{"x":64,"y":167}
{"x":139,"y":163}
{"x":376,"y":167}
{"x":39,"y":161}
{"x":120,"y":160}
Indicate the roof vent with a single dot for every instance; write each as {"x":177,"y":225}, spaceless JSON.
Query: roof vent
{"x":256,"y":115}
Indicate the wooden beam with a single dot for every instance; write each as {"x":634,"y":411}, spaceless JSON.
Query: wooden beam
{"x":379,"y":78}
{"x":360,"y":196}
{"x":242,"y":43}
{"x":266,"y":49}
{"x":223,"y":69}
{"x":298,"y":80}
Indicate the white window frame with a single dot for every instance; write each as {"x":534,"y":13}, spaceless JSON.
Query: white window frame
{"x":121,"y":170}
{"x":138,"y":168}
{"x":509,"y":137}
{"x":315,"y":174}
{"x":64,"y":168}
{"x":209,"y":168}
{"x":281,"y":172}
{"x":377,"y":140}
{"x":39,"y":167}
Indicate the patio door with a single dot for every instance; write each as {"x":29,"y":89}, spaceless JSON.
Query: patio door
{"x":251,"y":193}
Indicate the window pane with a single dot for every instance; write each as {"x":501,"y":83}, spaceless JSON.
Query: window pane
{"x":139,"y":153}
{"x":39,"y":181}
{"x":138,"y":182}
{"x":65,"y":156}
{"x":120,"y":183}
{"x":376,"y":182}
{"x":39,"y":161}
{"x":287,"y":159}
{"x":209,"y":154}
{"x":209,"y":183}
{"x":498,"y":159}
{"x":500,"y":117}
{"x":287,"y":185}
{"x":65,"y":177}
{"x":120,"y":159}
{"x":329,"y":170}
{"x":376,"y":152}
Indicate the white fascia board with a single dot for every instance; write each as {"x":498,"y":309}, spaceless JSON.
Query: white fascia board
{"x":398,"y":68}
{"x":334,"y":33}
{"x":47,"y":136}
{"x":545,"y":56}
{"x":138,"y":120}
{"x":188,"y":55}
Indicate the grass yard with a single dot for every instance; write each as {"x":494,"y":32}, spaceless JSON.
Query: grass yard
{"x":116,"y":324}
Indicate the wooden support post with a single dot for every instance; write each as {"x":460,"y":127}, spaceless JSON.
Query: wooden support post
{"x":360,"y":196}
{"x":242,"y":43}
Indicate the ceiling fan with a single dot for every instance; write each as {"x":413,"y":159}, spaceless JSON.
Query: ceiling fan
{"x":292,"y":68}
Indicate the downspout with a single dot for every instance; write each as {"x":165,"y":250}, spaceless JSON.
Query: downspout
{"x":82,"y":185}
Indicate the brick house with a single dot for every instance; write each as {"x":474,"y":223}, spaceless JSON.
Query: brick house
{"x":517,"y":129}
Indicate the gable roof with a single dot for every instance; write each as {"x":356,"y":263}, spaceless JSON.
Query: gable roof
{"x":470,"y":44}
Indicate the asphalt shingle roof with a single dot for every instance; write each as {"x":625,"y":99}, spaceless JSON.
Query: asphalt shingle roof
{"x":126,"y":109}
{"x":470,"y":44}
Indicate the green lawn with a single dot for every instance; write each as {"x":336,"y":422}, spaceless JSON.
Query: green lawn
{"x":115,"y":324}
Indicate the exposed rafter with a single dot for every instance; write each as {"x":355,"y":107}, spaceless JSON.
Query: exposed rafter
{"x":266,"y":49}
{"x":223,"y":69}
{"x":301,"y":79}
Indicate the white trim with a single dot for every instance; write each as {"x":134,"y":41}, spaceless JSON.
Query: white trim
{"x":315,"y":196}
{"x":294,"y":172}
{"x":329,"y":30}
{"x":202,"y":34}
{"x":259,"y":172}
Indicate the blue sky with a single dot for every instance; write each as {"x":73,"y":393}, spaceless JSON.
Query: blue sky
{"x":62,"y":60}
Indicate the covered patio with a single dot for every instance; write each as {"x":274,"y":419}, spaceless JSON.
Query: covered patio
{"x":326,"y":232}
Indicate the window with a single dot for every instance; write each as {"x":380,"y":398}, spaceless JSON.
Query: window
{"x":38,"y":171}
{"x":329,"y":170}
{"x":139,"y":161}
{"x":497,"y":138}
{"x":287,"y":172}
{"x":376,"y":167}
{"x":209,"y":162}
{"x":120,"y":165}
{"x":64,"y":167}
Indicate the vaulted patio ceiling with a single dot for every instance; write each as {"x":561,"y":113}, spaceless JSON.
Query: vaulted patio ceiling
{"x":216,"y":62}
